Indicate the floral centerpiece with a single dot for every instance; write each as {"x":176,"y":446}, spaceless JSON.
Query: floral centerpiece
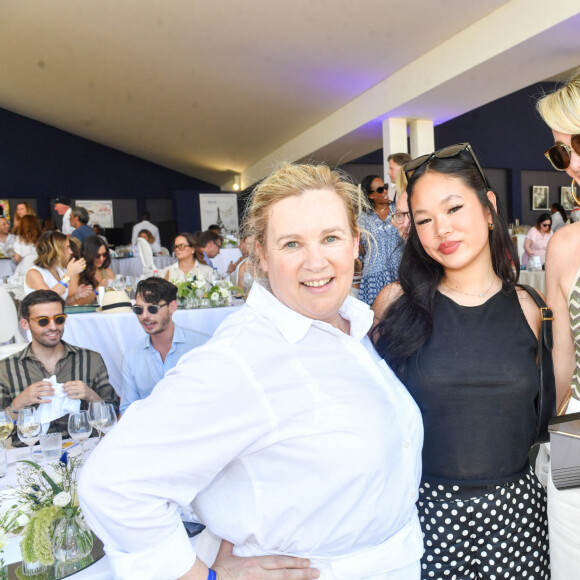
{"x":197,"y":292}
{"x":46,"y":513}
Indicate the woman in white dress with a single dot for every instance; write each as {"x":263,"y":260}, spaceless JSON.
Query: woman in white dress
{"x":561,"y":111}
{"x":285,"y":432}
{"x":27,"y":234}
{"x":186,"y":266}
{"x":55,"y":269}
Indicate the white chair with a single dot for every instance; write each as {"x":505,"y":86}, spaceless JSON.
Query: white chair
{"x":10,"y":329}
{"x":146,"y":255}
{"x":164,"y":252}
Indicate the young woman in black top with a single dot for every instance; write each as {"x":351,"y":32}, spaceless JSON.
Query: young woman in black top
{"x":463,"y":339}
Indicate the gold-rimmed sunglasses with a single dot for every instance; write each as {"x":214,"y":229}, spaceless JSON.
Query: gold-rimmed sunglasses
{"x":560,"y":155}
{"x":445,"y":153}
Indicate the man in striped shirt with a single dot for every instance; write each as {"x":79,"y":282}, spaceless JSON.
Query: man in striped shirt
{"x":82,"y":371}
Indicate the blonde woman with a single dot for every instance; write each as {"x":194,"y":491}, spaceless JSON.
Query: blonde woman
{"x":285,"y":432}
{"x":561,"y":111}
{"x":22,"y":208}
{"x":55,"y":269}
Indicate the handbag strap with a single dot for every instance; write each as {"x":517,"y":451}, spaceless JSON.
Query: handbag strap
{"x":546,"y":399}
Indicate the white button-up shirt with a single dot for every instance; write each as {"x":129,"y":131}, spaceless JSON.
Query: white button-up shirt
{"x":283,"y":433}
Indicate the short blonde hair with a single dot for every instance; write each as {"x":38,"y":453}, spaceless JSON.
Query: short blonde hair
{"x":561,"y":108}
{"x":51,"y":249}
{"x":292,"y":180}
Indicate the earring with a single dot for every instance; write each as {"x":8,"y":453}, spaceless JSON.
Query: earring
{"x":573,"y":189}
{"x":491,"y":226}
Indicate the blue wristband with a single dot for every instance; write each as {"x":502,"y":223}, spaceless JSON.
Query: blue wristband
{"x":211,"y":575}
{"x":63,"y":283}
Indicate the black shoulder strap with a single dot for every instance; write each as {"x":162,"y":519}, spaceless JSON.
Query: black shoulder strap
{"x":546,"y":399}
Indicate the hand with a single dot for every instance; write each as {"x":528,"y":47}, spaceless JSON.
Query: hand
{"x":230,"y":567}
{"x":84,"y":291}
{"x":32,"y":395}
{"x":78,"y":390}
{"x":231,"y":267}
{"x":75,"y":267}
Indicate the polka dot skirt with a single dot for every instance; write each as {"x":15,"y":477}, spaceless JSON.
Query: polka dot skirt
{"x":484,"y":532}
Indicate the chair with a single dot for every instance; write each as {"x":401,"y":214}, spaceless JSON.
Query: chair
{"x":10,"y":329}
{"x":146,"y":255}
{"x":164,"y":252}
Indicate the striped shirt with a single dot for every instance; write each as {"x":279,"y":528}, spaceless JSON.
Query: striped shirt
{"x":19,"y":371}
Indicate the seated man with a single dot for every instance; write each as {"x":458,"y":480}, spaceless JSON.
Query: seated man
{"x":146,"y":364}
{"x":209,"y":247}
{"x":82,"y":371}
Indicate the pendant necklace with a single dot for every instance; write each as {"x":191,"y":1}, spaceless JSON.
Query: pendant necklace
{"x":481,"y":295}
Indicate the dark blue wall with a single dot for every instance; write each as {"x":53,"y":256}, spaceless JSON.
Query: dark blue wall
{"x":41,"y":162}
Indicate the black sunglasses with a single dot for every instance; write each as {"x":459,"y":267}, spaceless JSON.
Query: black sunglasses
{"x":152,"y":308}
{"x":559,"y":155}
{"x":445,"y":153}
{"x":381,"y":189}
{"x":44,"y":320}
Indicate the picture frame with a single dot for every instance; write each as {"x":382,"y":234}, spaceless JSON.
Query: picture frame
{"x":540,"y":197}
{"x":566,"y":198}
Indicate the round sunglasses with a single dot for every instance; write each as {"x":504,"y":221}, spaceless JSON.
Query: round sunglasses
{"x":559,"y":155}
{"x":45,"y":320}
{"x":152,"y":308}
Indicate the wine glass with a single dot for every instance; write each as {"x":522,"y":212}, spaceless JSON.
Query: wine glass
{"x":28,"y":426}
{"x":119,"y":283}
{"x":96,"y":415}
{"x":109,"y":419}
{"x":79,"y":428}
{"x":6,"y":427}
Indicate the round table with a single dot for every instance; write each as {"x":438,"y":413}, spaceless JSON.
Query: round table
{"x":536,"y":279}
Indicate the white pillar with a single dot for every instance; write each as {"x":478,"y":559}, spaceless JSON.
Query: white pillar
{"x":422,"y":137}
{"x":394,"y":140}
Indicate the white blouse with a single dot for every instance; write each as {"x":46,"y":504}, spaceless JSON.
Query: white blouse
{"x":285,"y":435}
{"x":49,"y":280}
{"x":178,"y":275}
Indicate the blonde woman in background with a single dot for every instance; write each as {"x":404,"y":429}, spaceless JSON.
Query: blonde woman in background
{"x":561,"y":111}
{"x":22,"y":208}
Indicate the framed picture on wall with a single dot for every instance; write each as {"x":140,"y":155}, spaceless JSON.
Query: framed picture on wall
{"x":540,"y":197}
{"x":566,"y":198}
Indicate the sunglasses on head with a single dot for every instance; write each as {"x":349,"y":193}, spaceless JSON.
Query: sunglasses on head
{"x":559,"y":155}
{"x":45,"y":320}
{"x":445,"y":153}
{"x":181,"y":246}
{"x":152,"y":308}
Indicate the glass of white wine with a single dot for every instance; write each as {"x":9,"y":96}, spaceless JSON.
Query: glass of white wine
{"x":28,"y":426}
{"x":97,"y":416}
{"x":79,"y":428}
{"x":109,"y":418}
{"x":6,"y":427}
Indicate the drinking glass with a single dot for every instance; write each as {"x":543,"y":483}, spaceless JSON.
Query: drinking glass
{"x":79,"y":428}
{"x":96,"y":412}
{"x":6,"y":427}
{"x":28,"y":426}
{"x":109,"y":418}
{"x":119,"y":283}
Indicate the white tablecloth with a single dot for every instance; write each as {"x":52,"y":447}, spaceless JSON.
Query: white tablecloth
{"x":134,"y":267}
{"x":223,"y":259}
{"x":536,"y":279}
{"x":112,"y":334}
{"x":7,"y":267}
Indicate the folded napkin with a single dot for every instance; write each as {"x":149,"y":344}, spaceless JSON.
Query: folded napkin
{"x":59,"y":405}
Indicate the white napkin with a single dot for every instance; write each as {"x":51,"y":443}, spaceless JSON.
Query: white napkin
{"x":59,"y":405}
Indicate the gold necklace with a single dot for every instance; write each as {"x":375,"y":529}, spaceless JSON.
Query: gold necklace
{"x":481,"y":295}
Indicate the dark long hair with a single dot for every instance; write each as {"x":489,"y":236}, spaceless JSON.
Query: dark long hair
{"x":90,"y":252}
{"x":407,"y":323}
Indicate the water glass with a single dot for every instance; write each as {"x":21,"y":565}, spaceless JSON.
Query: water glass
{"x":51,"y":445}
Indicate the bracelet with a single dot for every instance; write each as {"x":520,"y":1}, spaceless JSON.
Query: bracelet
{"x":63,"y":283}
{"x":211,"y":575}
{"x":12,"y":410}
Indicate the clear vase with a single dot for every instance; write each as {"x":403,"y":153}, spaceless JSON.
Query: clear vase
{"x":72,"y":539}
{"x":31,"y":568}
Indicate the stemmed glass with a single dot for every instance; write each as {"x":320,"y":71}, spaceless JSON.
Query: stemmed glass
{"x":6,"y":427}
{"x":79,"y":428}
{"x":119,"y":283}
{"x":29,"y":427}
{"x":95,"y":416}
{"x":109,"y":418}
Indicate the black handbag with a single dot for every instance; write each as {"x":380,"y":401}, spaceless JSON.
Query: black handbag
{"x":546,"y":399}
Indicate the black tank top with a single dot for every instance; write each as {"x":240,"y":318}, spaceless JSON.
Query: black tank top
{"x":475,"y":381}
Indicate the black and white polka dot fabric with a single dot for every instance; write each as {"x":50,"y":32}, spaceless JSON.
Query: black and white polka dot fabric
{"x":486,"y":533}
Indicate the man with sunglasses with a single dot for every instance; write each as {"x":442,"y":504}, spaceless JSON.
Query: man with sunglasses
{"x":82,"y":372}
{"x":146,"y":364}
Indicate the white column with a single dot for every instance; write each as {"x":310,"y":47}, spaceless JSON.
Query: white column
{"x":394,"y":140}
{"x":422,"y":137}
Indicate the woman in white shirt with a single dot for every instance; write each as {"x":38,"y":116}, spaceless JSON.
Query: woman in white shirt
{"x":27,"y":234}
{"x":286,"y":433}
{"x":186,"y":266}
{"x":55,"y":269}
